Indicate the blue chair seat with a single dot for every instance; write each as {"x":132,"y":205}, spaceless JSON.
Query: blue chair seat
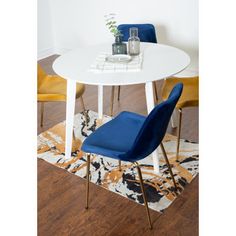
{"x":116,"y":137}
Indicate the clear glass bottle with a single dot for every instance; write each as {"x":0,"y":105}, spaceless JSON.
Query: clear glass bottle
{"x":119,"y":47}
{"x":133,"y":42}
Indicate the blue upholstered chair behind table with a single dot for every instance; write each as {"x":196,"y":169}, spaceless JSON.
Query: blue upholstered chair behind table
{"x":146,"y":33}
{"x":132,"y":137}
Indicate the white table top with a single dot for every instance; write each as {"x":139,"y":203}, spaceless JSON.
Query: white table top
{"x":159,"y":61}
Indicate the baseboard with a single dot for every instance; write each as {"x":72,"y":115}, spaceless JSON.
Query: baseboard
{"x":45,"y":53}
{"x":59,"y":51}
{"x":51,"y":51}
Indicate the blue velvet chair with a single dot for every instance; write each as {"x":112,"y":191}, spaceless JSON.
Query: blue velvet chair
{"x":146,"y":33}
{"x":132,"y":137}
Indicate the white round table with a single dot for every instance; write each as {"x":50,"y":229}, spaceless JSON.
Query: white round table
{"x":159,"y":62}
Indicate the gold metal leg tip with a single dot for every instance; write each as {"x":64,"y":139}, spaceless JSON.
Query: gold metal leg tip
{"x":120,"y":166}
{"x":178,"y":191}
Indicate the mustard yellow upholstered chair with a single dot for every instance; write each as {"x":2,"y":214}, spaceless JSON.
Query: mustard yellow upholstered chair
{"x":52,"y":88}
{"x":189,"y":97}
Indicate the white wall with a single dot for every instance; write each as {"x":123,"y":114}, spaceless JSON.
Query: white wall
{"x":45,"y":29}
{"x":81,"y":22}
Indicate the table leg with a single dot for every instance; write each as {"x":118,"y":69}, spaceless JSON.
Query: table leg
{"x":70,"y":111}
{"x":150,"y":105}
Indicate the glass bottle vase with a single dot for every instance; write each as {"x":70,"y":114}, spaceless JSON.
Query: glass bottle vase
{"x":119,"y":47}
{"x":133,"y":42}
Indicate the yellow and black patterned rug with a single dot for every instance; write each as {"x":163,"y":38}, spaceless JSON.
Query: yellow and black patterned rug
{"x":105,"y":172}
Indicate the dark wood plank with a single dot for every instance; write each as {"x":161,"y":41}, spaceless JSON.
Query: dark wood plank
{"x":61,"y":195}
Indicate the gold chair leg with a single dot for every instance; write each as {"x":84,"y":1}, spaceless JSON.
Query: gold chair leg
{"x":42,"y":113}
{"x":82,"y":103}
{"x":87,"y":185}
{"x":144,"y":194}
{"x":118,"y":97}
{"x":168,"y":164}
{"x":119,"y":165}
{"x":155,"y":91}
{"x":178,"y":133}
{"x":112,"y":99}
{"x":84,"y":110}
{"x":74,"y":138}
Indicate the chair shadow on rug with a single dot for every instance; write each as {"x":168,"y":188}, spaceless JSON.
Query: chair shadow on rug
{"x":132,"y":137}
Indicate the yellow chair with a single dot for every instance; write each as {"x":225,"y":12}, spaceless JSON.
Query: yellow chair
{"x":52,"y":88}
{"x":189,"y":97}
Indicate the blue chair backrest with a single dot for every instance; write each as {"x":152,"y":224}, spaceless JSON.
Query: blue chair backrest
{"x":155,"y":126}
{"x":146,"y":32}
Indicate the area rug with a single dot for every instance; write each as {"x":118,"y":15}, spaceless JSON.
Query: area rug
{"x":105,"y":171}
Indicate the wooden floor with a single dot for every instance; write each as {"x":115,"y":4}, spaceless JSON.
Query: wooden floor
{"x":61,"y":195}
